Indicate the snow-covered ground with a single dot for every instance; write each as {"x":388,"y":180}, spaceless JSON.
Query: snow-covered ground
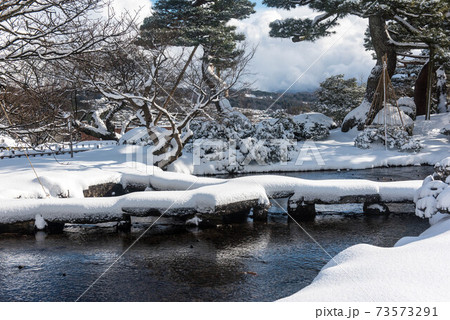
{"x":338,"y":152}
{"x":415,"y":269}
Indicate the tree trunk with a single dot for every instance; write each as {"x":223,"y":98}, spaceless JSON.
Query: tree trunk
{"x":382,"y":47}
{"x":211,"y":78}
{"x":420,"y":91}
{"x":380,"y":41}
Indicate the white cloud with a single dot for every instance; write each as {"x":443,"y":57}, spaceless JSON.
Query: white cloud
{"x":279,"y":62}
{"x":133,"y":6}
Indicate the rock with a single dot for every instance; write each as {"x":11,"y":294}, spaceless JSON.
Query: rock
{"x":375,"y":208}
{"x":300,"y":211}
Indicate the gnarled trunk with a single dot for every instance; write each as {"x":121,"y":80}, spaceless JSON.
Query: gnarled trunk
{"x":382,"y":46}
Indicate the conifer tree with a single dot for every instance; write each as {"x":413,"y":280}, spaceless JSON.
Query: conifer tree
{"x":199,"y":24}
{"x":424,"y":24}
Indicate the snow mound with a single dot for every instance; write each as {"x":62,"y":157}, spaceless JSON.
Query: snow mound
{"x":408,"y":106}
{"x":134,"y":136}
{"x":357,"y":117}
{"x":393,"y":117}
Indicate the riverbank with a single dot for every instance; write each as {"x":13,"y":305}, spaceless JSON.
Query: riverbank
{"x":415,"y":269}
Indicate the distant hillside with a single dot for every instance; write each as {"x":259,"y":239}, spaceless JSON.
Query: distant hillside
{"x":261,"y":100}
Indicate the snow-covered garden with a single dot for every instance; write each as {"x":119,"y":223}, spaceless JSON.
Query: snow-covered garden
{"x":113,"y":120}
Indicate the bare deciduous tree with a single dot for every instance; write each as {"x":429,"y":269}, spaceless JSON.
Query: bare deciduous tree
{"x":36,"y":36}
{"x":165,"y":86}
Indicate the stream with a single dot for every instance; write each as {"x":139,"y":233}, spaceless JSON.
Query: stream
{"x":238,"y":262}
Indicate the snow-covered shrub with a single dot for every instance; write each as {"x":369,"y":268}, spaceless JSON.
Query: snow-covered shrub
{"x":234,"y":142}
{"x":281,"y":128}
{"x":408,"y":106}
{"x":446,"y":130}
{"x":313,"y":126}
{"x":234,"y":126}
{"x":397,"y":138}
{"x":434,"y":195}
{"x":442,"y":170}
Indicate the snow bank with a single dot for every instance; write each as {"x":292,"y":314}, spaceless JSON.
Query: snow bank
{"x":369,"y":273}
{"x":402,"y":273}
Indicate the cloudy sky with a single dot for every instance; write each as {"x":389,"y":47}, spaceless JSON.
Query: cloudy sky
{"x":280,"y":64}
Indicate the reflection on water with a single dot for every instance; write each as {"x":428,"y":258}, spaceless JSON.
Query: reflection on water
{"x":246,"y":262}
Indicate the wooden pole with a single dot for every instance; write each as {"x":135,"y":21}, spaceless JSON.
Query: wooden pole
{"x":385,"y":100}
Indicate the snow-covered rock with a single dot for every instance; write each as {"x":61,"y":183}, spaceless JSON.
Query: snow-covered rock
{"x":39,"y":222}
{"x":357,"y":117}
{"x":446,"y":130}
{"x":408,"y":106}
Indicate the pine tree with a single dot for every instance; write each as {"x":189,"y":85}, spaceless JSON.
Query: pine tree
{"x":338,"y":96}
{"x":200,"y":23}
{"x":424,"y":24}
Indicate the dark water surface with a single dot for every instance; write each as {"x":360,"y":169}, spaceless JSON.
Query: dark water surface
{"x":245,"y":262}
